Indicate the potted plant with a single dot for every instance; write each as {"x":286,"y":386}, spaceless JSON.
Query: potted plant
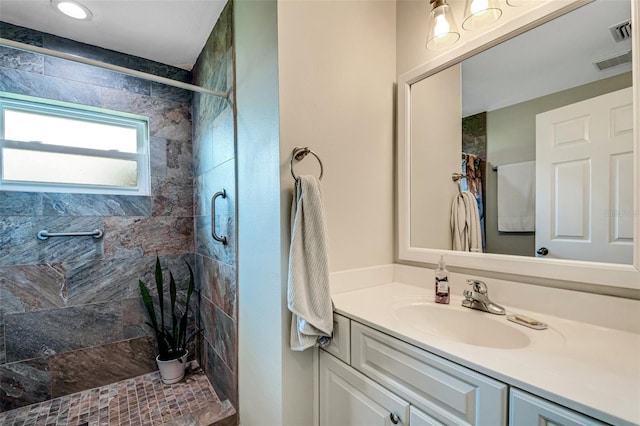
{"x":171,"y":337}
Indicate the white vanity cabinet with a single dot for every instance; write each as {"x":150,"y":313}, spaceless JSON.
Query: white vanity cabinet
{"x":529,"y":410}
{"x":391,"y":382}
{"x":370,"y":378}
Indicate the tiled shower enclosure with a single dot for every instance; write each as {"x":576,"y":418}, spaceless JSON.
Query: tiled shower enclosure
{"x":70,"y":313}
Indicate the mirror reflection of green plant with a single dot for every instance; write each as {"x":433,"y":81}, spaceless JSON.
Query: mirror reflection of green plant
{"x":171,"y":338}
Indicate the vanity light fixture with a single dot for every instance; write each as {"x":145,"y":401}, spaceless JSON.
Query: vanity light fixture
{"x":480,"y":14}
{"x":72,"y":9}
{"x":442,"y":29}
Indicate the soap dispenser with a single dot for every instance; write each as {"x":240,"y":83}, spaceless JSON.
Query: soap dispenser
{"x":442,"y":283}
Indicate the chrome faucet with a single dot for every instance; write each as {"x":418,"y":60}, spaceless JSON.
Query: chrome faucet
{"x":478,"y":298}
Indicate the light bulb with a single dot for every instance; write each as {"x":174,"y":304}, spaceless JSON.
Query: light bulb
{"x":479,"y":6}
{"x":441,"y":26}
{"x":480,"y":14}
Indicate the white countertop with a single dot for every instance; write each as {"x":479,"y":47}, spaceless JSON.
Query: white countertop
{"x":591,"y":369}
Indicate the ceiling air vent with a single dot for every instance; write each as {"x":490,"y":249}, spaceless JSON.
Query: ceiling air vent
{"x":622,"y":31}
{"x":612,"y":62}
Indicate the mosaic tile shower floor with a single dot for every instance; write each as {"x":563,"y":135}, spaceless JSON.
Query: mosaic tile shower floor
{"x":139,"y":401}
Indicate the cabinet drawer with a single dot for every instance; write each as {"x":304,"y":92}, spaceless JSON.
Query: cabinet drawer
{"x":340,"y":345}
{"x":528,"y":410}
{"x":348,"y":398}
{"x":444,"y":390}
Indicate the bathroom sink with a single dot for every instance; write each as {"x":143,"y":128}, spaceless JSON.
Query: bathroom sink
{"x":462,"y":325}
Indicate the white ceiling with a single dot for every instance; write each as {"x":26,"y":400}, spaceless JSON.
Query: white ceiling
{"x":172,"y":32}
{"x":555,"y":56}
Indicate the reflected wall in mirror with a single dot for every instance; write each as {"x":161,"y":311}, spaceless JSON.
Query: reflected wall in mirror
{"x":542,"y":126}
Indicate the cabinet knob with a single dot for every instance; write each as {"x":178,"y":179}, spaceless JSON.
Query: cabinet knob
{"x":394,"y":419}
{"x":543,"y":251}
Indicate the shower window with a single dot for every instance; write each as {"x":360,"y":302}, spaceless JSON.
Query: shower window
{"x":50,"y":146}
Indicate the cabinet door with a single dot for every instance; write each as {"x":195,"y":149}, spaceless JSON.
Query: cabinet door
{"x":419,"y":418}
{"x":347,"y":398}
{"x":528,"y":410}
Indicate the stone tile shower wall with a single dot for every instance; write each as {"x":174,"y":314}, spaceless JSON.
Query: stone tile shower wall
{"x":214,"y":163}
{"x":70,"y":314}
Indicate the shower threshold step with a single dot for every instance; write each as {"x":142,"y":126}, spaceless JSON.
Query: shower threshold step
{"x":140,"y":401}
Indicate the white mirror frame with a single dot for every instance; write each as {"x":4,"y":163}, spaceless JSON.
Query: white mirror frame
{"x":606,"y":274}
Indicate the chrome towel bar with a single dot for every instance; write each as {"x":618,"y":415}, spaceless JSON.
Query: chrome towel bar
{"x":44,"y":234}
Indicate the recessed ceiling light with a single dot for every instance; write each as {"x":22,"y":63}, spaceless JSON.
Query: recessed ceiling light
{"x":72,"y":9}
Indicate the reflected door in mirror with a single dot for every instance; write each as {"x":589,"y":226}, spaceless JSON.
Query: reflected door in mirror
{"x":584,"y":157}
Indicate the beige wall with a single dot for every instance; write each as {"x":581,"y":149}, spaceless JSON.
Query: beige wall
{"x":511,"y":139}
{"x":337,"y":75}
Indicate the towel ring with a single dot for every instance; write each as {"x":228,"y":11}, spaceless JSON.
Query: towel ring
{"x":298,"y":154}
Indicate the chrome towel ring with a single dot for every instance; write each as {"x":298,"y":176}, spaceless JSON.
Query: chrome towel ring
{"x":298,"y":154}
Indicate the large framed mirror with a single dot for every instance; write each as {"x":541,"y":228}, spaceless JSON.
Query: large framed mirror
{"x":539,"y":122}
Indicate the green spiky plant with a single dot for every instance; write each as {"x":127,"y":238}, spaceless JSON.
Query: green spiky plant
{"x":172,"y":338}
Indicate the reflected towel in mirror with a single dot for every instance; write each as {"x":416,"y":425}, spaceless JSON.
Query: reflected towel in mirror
{"x":466,"y":231}
{"x":517,"y":197}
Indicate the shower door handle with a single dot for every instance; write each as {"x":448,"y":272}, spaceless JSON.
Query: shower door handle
{"x":215,"y":236}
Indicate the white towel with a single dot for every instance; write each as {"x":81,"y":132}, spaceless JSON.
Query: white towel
{"x":517,"y":197}
{"x":466,"y":231}
{"x":309,"y":297}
